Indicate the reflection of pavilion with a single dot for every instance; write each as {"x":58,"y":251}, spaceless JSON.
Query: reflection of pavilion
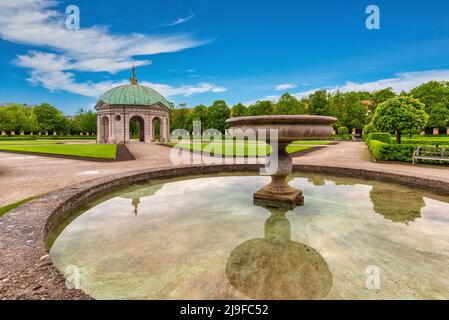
{"x":140,"y":192}
{"x":275,"y":267}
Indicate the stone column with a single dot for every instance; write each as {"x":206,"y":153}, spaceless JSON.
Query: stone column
{"x":147,"y":127}
{"x":3,"y":133}
{"x":165,"y":129}
{"x":151,"y":128}
{"x":435,"y":131}
{"x":99,"y":133}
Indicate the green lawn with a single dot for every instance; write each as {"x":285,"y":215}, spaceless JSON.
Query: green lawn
{"x":106,"y":151}
{"x":9,"y":207}
{"x":248,"y":150}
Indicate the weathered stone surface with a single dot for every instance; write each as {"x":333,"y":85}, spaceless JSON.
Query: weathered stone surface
{"x":26,"y":271}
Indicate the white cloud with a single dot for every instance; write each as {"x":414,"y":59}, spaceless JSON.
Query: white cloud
{"x":404,"y":81}
{"x":90,"y":49}
{"x":285,"y":86}
{"x":182,"y":20}
{"x":65,"y":81}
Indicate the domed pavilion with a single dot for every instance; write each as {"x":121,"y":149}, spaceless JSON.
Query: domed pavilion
{"x":121,"y":105}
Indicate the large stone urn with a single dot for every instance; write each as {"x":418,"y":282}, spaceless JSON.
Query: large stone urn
{"x":289,"y":129}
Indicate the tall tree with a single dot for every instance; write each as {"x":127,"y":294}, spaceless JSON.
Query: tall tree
{"x":318,"y":103}
{"x":435,"y":95}
{"x":260,"y":108}
{"x":238,"y":110}
{"x":288,"y":104}
{"x":218,"y":114}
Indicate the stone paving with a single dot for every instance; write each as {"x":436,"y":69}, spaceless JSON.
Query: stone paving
{"x":26,"y":271}
{"x":23,"y":176}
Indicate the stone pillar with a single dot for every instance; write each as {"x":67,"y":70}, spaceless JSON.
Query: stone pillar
{"x":3,"y":133}
{"x":150,"y":127}
{"x":98,"y":128}
{"x":54,"y":133}
{"x":147,"y":128}
{"x":164,"y":129}
{"x":81,"y":133}
{"x":435,"y":131}
{"x":13,"y":133}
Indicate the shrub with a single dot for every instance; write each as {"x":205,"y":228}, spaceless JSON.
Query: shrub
{"x":428,"y":141}
{"x":16,"y":138}
{"x":379,"y":136}
{"x":343,"y":131}
{"x":369,"y":128}
{"x":391,"y":152}
{"x":341,"y":137}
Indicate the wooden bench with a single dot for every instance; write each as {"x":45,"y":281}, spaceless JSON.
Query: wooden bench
{"x":430,"y":153}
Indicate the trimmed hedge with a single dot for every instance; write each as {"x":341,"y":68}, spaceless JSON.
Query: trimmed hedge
{"x":433,"y":142}
{"x":391,"y":152}
{"x":379,"y":136}
{"x":17,"y":138}
{"x":343,"y":131}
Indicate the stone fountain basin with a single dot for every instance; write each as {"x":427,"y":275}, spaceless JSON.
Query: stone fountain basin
{"x":289,"y":128}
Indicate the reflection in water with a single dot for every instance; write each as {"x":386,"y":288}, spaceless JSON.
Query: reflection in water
{"x":190,"y":241}
{"x":140,"y":192}
{"x":275,"y":267}
{"x":402,"y":206}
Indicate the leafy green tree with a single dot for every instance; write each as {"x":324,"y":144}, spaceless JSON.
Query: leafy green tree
{"x":260,"y":108}
{"x":318,"y":103}
{"x":400,"y":114}
{"x":288,"y":104}
{"x":218,"y":114}
{"x":179,"y":118}
{"x":238,"y":110}
{"x":380,"y":96}
{"x":435,"y":95}
{"x":46,"y":116}
{"x":438,"y":115}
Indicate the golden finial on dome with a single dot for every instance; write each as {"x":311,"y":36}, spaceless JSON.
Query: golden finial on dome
{"x":133,"y":77}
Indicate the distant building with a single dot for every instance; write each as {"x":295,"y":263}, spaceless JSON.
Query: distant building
{"x":121,"y":105}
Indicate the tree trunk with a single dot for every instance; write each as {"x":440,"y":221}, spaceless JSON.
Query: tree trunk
{"x":398,"y":137}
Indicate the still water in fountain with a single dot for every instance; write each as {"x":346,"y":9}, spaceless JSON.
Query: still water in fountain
{"x":203,"y":238}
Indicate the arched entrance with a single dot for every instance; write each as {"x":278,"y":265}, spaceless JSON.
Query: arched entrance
{"x":137,"y":129}
{"x":104,"y":130}
{"x":157,"y":129}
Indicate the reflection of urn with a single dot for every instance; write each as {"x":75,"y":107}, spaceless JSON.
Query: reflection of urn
{"x":289,"y":129}
{"x":138,"y":192}
{"x":276,"y":267}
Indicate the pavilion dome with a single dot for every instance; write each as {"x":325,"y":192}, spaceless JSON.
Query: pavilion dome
{"x":133,"y":94}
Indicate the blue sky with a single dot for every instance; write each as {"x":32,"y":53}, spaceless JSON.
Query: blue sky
{"x":199,"y":51}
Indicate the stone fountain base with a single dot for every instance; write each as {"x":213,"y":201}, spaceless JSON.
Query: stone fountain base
{"x":279,"y":194}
